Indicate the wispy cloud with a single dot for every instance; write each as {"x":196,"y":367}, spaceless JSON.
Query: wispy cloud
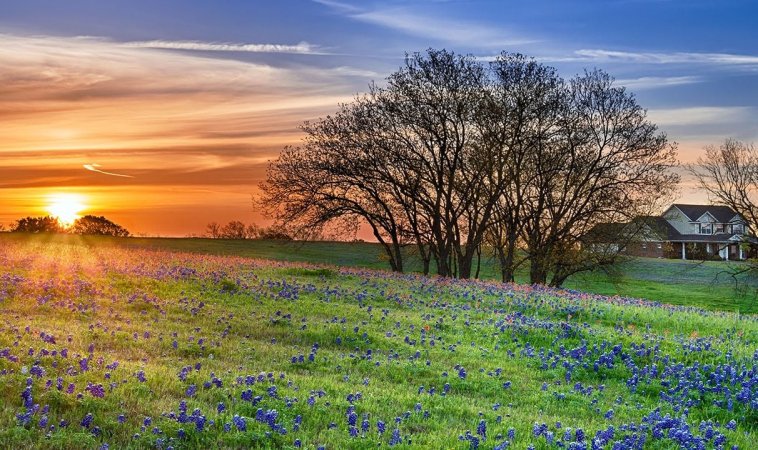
{"x":340,"y":7}
{"x":303,"y":48}
{"x":422,"y":24}
{"x":700,"y":115}
{"x":68,"y":101}
{"x":94,"y":168}
{"x":600,"y":55}
{"x":357,"y":72}
{"x":658,"y":82}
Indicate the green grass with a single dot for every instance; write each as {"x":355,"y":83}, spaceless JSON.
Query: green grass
{"x":706,"y":284}
{"x":130,"y":300}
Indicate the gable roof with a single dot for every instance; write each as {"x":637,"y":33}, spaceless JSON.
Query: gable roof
{"x":723,"y":214}
{"x":641,"y":226}
{"x":663,"y":228}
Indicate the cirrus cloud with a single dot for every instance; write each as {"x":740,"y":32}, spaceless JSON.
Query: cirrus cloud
{"x":303,"y":48}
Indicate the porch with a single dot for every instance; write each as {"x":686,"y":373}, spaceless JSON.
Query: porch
{"x":727,"y":251}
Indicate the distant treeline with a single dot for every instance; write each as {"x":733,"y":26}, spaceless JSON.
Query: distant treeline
{"x":239,"y":230}
{"x":89,"y":224}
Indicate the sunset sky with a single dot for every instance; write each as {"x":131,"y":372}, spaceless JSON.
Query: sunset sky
{"x":162,"y":115}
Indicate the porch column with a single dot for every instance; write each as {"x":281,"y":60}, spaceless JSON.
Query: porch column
{"x":727,"y":251}
{"x":684,"y":256}
{"x":741,"y":255}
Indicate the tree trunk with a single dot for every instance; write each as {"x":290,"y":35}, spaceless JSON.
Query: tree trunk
{"x":509,"y":271}
{"x":538,"y":269}
{"x":464,"y":266}
{"x":398,"y":257}
{"x":454,"y":266}
{"x":442,"y":258}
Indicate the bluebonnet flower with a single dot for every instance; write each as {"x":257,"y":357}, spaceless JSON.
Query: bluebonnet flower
{"x":200,"y":423}
{"x":87,"y":420}
{"x":481,"y":429}
{"x":395,"y":438}
{"x":240,"y":423}
{"x":352,"y":418}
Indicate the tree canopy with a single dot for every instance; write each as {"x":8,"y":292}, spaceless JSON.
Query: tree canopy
{"x":97,"y":225}
{"x":452,"y":154}
{"x":44,"y":224}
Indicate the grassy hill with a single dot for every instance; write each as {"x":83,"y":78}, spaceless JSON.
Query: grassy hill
{"x":125,"y":344}
{"x":704,"y":284}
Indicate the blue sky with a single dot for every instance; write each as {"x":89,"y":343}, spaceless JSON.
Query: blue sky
{"x":218,"y":87}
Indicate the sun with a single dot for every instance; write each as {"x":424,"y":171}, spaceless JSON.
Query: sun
{"x":65,"y":207}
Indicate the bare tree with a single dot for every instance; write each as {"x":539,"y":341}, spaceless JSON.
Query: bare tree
{"x":253,"y":231}
{"x":233,"y":230}
{"x":729,"y":174}
{"x":432,"y":104}
{"x":213,"y":230}
{"x":398,"y":158}
{"x":451,"y":152}
{"x":329,"y":182}
{"x":526,"y":101}
{"x":606,"y":163}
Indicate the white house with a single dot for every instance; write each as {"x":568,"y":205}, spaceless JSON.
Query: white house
{"x":684,"y":231}
{"x":717,"y":229}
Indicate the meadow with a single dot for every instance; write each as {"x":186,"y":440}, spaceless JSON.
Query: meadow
{"x":133,"y":344}
{"x":705,"y":284}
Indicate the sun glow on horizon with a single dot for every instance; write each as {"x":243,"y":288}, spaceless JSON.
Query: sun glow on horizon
{"x":65,"y":207}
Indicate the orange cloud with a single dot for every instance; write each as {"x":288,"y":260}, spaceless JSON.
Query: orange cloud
{"x":175,"y":122}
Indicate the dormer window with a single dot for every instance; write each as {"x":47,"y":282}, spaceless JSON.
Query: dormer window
{"x":720,"y":228}
{"x":706,"y":228}
{"x":737,"y":228}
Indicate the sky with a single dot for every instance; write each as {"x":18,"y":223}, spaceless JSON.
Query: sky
{"x":163,"y":115}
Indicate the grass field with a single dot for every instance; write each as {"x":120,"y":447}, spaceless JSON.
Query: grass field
{"x":703,"y":284}
{"x":183,"y":344}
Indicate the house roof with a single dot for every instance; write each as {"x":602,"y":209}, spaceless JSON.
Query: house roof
{"x":610,"y":232}
{"x":661,"y":227}
{"x":664,"y":231}
{"x":723,"y":214}
{"x":667,"y":232}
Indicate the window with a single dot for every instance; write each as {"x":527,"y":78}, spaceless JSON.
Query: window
{"x":720,"y":228}
{"x":706,"y":228}
{"x":737,"y":228}
{"x":644,"y":246}
{"x":660,"y":246}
